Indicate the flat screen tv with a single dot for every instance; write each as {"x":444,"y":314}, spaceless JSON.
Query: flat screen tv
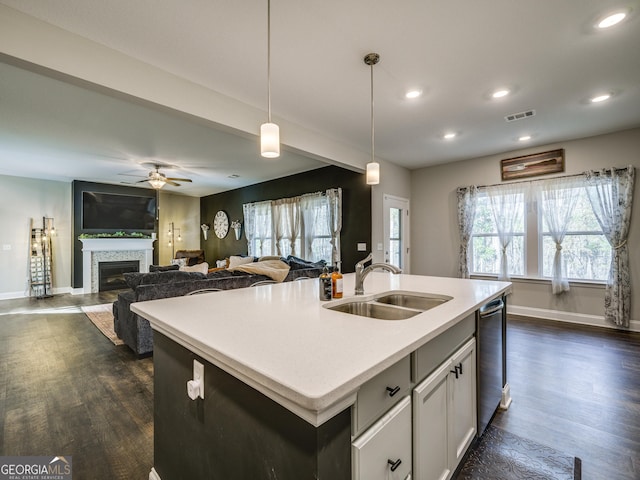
{"x":109,"y":211}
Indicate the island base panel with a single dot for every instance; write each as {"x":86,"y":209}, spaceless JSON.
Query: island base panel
{"x":236,"y":431}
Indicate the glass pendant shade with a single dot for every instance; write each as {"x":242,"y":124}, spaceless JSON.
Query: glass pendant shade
{"x":270,"y":140}
{"x":373,"y":173}
{"x":157,"y":183}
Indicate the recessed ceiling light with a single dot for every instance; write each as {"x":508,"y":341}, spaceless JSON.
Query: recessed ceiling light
{"x":600,"y":98}
{"x":524,"y":138}
{"x":449,"y":135}
{"x":233,"y":175}
{"x":503,"y":92}
{"x":611,"y":20}
{"x":413,"y":93}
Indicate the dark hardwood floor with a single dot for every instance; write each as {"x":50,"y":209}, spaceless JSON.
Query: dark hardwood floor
{"x":576,"y":389}
{"x":67,"y":390}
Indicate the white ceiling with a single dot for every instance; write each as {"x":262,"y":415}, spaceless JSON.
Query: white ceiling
{"x":456,"y":51}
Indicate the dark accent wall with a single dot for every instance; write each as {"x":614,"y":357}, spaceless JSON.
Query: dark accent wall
{"x":356,"y":210}
{"x":77,"y":188}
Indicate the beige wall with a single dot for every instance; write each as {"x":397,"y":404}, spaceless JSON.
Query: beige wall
{"x":434,"y":221}
{"x":394,"y":180}
{"x":184,"y":212}
{"x":24,"y":199}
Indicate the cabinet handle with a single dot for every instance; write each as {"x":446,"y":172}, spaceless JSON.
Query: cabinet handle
{"x":393,"y":391}
{"x":459,"y":367}
{"x":393,"y":464}
{"x":455,"y":370}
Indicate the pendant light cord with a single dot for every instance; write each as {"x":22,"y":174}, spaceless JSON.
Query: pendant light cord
{"x":372,"y":120}
{"x":269,"y":59}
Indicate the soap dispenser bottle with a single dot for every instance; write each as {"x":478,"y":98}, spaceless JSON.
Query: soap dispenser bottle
{"x":336,"y":283}
{"x":325,"y":284}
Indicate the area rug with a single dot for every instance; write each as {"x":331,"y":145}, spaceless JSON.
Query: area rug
{"x":102,"y":317}
{"x":501,"y":455}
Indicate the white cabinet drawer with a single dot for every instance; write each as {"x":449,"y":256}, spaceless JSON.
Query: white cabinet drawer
{"x":428,"y":357}
{"x":383,"y":452}
{"x":380,"y":393}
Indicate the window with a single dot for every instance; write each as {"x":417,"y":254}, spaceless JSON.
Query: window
{"x":586,"y":254}
{"x":307,"y":226}
{"x":585,"y":250}
{"x":395,"y":237}
{"x":485,"y":241}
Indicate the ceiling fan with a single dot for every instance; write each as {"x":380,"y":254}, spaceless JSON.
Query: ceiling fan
{"x":158,"y":179}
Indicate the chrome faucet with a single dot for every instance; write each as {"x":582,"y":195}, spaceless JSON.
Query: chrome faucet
{"x":362,"y":272}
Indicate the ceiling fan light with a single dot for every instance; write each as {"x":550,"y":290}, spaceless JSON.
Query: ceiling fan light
{"x":157,"y":183}
{"x":269,"y":140}
{"x":373,"y":173}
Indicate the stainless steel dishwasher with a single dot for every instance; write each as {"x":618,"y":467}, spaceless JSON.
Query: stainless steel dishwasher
{"x":491,"y":335}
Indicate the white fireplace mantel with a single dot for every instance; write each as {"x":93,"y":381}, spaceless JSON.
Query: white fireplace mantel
{"x":95,"y":250}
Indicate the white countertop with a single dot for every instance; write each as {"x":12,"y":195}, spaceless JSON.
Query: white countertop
{"x":282,"y":341}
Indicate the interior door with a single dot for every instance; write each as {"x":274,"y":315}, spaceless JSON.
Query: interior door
{"x":396,"y":231}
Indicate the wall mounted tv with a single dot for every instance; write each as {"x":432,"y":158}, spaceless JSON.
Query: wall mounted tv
{"x":110,"y":211}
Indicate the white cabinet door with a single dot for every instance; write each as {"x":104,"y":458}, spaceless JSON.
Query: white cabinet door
{"x":444,"y":416}
{"x":462,"y":400}
{"x":383,"y":452}
{"x":430,"y":413}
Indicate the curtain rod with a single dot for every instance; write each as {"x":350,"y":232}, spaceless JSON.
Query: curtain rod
{"x":617,"y":169}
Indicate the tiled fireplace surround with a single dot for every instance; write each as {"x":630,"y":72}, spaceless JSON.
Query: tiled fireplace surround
{"x":96,"y":250}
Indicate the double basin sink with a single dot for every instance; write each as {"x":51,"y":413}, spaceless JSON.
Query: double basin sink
{"x":394,"y":305}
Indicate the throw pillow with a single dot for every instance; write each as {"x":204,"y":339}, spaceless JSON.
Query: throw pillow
{"x":163,"y":268}
{"x":199,"y":267}
{"x":181,"y":262}
{"x":235,"y":261}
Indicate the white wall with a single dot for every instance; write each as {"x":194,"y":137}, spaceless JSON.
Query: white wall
{"x":24,"y":199}
{"x":435,"y":232}
{"x":394,"y":180}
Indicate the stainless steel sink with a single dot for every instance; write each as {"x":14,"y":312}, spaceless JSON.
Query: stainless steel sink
{"x":395,"y":305}
{"x":419,"y":302}
{"x":374,"y":310}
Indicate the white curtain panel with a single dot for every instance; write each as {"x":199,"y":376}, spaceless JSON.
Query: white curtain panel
{"x":610,"y":192}
{"x":334,"y":198}
{"x":557,"y":199}
{"x":282,"y":226}
{"x":467,"y":197}
{"x":507,"y":207}
{"x":248,"y":211}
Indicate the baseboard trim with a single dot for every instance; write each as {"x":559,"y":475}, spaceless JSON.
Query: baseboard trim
{"x":26,"y":294}
{"x":569,"y":317}
{"x":153,"y":475}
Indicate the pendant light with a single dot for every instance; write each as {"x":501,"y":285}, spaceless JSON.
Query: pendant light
{"x":269,"y":132}
{"x":373,"y":167}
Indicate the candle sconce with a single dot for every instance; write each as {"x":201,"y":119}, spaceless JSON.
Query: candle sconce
{"x":237,"y":228}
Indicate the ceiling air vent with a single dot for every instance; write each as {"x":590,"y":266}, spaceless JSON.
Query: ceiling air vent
{"x":519,"y":116}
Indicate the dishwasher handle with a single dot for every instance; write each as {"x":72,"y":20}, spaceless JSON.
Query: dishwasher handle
{"x":491,"y":308}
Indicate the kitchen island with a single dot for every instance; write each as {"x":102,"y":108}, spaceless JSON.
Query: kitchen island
{"x":281,"y":373}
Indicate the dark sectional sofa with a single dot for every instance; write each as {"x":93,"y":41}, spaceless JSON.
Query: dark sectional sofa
{"x":136,"y":332}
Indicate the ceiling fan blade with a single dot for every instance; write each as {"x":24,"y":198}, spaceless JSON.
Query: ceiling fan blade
{"x":170,"y":182}
{"x":142,"y":181}
{"x":180,"y":179}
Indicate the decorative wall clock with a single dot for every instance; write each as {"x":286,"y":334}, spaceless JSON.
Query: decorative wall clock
{"x":221,"y":224}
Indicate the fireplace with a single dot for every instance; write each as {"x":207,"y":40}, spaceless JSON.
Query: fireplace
{"x":111,"y":274}
{"x":97,"y":250}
